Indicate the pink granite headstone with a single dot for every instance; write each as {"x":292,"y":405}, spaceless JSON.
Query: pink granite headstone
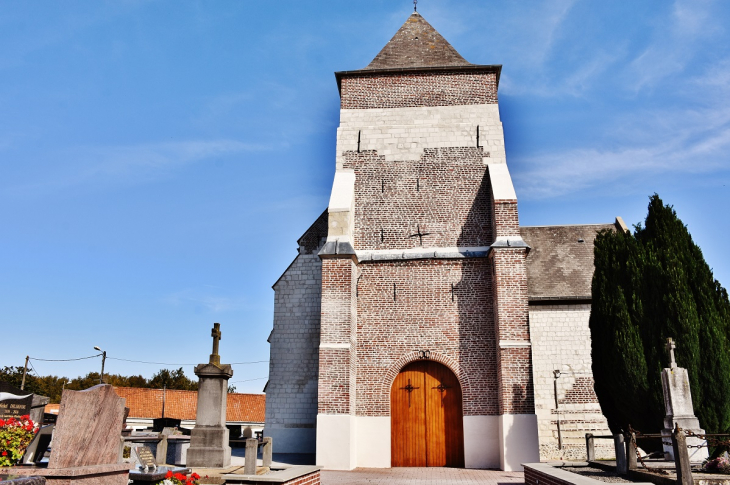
{"x":88,"y":428}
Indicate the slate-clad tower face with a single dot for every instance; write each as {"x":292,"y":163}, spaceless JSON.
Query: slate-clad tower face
{"x":423,"y":262}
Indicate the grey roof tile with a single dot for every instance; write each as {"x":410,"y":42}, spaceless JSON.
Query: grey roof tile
{"x":559,"y":266}
{"x":417,"y":44}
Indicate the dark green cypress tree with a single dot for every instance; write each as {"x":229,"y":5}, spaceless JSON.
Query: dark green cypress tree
{"x":647,"y":287}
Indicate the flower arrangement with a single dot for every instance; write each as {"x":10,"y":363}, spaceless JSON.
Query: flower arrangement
{"x":179,"y":479}
{"x":721,"y":464}
{"x":15,"y":436}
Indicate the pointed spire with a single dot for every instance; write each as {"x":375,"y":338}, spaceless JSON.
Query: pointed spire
{"x":417,"y":44}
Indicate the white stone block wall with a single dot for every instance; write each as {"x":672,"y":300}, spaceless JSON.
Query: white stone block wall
{"x":561,"y":341}
{"x":291,"y":396}
{"x":401,"y":134}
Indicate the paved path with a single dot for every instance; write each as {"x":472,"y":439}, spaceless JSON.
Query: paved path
{"x":420,"y":476}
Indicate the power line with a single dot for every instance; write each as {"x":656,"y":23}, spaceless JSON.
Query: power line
{"x":248,"y":380}
{"x":31,"y":366}
{"x":145,"y":362}
{"x":168,"y":363}
{"x":66,"y":360}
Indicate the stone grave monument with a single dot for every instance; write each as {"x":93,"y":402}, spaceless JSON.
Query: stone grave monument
{"x":209,"y":438}
{"x":86,"y":441}
{"x":15,"y":403}
{"x":679,"y":410}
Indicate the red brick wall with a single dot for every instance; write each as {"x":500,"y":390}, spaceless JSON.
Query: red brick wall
{"x":459,"y":333}
{"x":506,"y":219}
{"x":514,"y":369}
{"x":446,"y":88}
{"x":335,"y":389}
{"x":451,"y":200}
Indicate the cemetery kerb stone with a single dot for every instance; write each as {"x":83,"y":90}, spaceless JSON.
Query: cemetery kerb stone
{"x":86,"y":442}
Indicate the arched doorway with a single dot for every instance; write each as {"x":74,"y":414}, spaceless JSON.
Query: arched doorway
{"x":426,"y":417}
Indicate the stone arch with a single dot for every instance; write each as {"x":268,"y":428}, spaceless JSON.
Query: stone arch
{"x":392,"y":372}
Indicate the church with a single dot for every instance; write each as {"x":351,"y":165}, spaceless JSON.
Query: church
{"x":420,"y":324}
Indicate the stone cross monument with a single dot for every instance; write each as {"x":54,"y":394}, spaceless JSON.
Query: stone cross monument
{"x":679,"y":409}
{"x":209,"y":439}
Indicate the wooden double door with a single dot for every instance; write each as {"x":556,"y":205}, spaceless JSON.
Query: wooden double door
{"x":426,"y":417}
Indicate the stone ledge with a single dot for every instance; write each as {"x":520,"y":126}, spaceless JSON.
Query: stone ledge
{"x":283,"y":475}
{"x":550,"y":474}
{"x":67,"y":472}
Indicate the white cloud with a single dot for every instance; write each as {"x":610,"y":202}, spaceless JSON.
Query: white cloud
{"x":697,"y":148}
{"x":676,"y":40}
{"x":207,"y":299}
{"x":127,"y":165}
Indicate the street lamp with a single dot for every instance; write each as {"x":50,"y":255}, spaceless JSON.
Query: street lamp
{"x":103,"y":359}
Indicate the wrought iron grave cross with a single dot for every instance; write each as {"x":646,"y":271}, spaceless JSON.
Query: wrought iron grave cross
{"x":670,"y":348}
{"x":409,"y":388}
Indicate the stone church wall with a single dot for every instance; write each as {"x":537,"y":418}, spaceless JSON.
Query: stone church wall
{"x":561,"y":341}
{"x":291,"y":396}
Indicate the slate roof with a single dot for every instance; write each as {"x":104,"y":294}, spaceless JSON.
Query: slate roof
{"x":311,"y":240}
{"x":147,"y":403}
{"x":417,"y":44}
{"x":559,"y":267}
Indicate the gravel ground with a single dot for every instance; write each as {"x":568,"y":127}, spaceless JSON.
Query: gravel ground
{"x":597,"y":474}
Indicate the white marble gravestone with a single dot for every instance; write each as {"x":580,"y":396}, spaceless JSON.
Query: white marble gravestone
{"x":679,"y":410}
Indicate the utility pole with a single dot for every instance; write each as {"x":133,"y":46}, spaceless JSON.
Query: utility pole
{"x":103,"y":359}
{"x":25,"y":371}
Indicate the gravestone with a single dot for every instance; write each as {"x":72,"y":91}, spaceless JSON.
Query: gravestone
{"x":86,"y":441}
{"x":37,"y":448}
{"x":209,"y":439}
{"x":679,"y":410}
{"x":145,"y":457}
{"x":14,"y":403}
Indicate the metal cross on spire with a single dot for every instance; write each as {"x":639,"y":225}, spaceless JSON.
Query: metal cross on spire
{"x":670,"y":348}
{"x":415,"y":5}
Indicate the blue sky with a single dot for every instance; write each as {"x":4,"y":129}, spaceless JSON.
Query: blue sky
{"x":159,"y":159}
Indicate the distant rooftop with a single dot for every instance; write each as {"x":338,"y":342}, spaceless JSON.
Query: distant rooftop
{"x":147,"y":403}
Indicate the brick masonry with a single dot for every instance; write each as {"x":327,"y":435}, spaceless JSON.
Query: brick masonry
{"x":447,"y":88}
{"x":423,"y":315}
{"x":445,"y":194}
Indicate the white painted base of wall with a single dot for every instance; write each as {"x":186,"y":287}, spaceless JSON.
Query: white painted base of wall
{"x":481,"y":442}
{"x":519,"y":441}
{"x":293,"y":440}
{"x":336,"y":446}
{"x":373,"y":441}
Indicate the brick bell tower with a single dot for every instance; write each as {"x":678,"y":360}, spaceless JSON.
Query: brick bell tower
{"x":424,"y":346}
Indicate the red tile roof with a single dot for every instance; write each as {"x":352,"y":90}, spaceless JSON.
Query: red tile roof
{"x":52,"y":408}
{"x":147,"y":403}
